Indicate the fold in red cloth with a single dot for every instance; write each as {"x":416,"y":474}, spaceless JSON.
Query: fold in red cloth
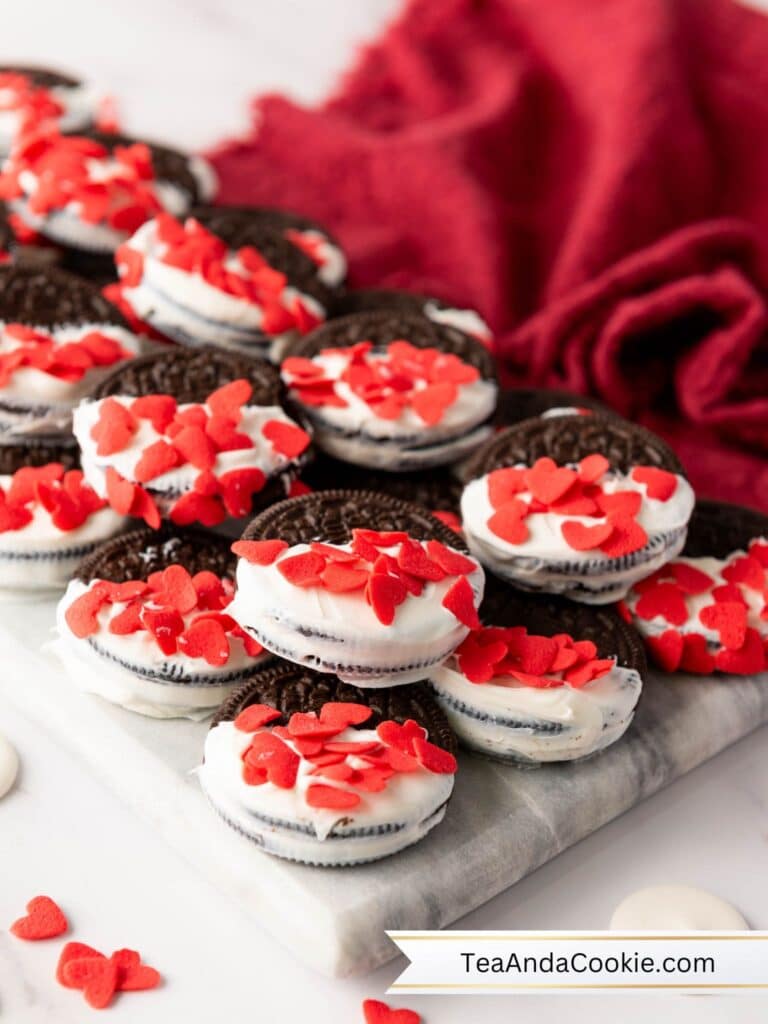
{"x":592,"y":176}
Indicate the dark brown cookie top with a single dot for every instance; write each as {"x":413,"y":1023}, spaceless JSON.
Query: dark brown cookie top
{"x":569,"y":439}
{"x":7,"y":237}
{"x":168,"y":164}
{"x":46,"y":78}
{"x":366,"y":300}
{"x":718,"y":528}
{"x":386,"y":325}
{"x":436,"y":489}
{"x":331,"y":516}
{"x":38,"y":450}
{"x":135,"y":555}
{"x":191,"y":374}
{"x":241,"y":226}
{"x":48,"y":297}
{"x":548,"y":614}
{"x":517,"y":404}
{"x":292,"y":688}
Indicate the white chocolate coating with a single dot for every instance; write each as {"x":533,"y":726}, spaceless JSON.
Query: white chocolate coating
{"x":675,"y":908}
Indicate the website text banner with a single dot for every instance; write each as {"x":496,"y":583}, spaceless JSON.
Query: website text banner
{"x":496,"y":962}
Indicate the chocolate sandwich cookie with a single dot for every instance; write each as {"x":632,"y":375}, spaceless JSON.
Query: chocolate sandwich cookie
{"x":358,"y":583}
{"x":706,"y":611}
{"x":517,"y":404}
{"x":229,"y":276}
{"x":366,"y":300}
{"x":582,"y":506}
{"x":58,"y":338}
{"x":50,"y":518}
{"x":317,"y":771}
{"x":191,"y":436}
{"x":89,"y":193}
{"x":392,"y":390}
{"x":439,"y":490}
{"x":543,"y":680}
{"x":310,"y":237}
{"x":31,"y":97}
{"x":145,"y":624}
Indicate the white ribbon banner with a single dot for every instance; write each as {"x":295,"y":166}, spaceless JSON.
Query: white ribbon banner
{"x":473,"y":963}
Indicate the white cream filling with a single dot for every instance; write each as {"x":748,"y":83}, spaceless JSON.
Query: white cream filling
{"x":513,"y":721}
{"x":40,"y":556}
{"x":340,"y":632}
{"x":179,"y":303}
{"x":100,"y":664}
{"x":544,"y":560}
{"x":29,"y":386}
{"x":695,"y":602}
{"x":282,"y":822}
{"x":181,"y":479}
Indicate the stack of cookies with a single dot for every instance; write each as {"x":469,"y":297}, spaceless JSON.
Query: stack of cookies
{"x":312,"y":512}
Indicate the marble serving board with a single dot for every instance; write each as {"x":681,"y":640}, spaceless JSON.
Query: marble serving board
{"x":501,"y":824}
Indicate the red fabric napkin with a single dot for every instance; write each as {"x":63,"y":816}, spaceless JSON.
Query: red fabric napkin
{"x":592,"y":176}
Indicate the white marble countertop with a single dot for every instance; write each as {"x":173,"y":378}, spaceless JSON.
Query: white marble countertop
{"x":183,"y":72}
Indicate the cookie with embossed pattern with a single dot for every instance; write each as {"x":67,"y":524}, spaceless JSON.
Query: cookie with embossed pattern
{"x":582,"y":506}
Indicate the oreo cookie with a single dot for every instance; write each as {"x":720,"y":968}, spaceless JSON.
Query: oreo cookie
{"x":583,"y":506}
{"x":367,"y":300}
{"x":233,"y":276}
{"x":34,"y":96}
{"x":439,"y":491}
{"x":317,"y":771}
{"x":49,"y":517}
{"x":59,"y":336}
{"x":191,"y":436}
{"x":705,"y":611}
{"x":99,"y":187}
{"x":393,"y":391}
{"x":517,"y":404}
{"x":145,"y":624}
{"x":360,"y":584}
{"x":545,"y":679}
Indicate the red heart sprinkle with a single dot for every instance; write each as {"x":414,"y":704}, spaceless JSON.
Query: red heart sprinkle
{"x":302,"y":570}
{"x":434,"y":758}
{"x":81,"y":616}
{"x":728,"y":592}
{"x":238,"y":488}
{"x":451,"y":562}
{"x":255,"y":716}
{"x":44,"y":920}
{"x":381,"y":538}
{"x":340,"y":579}
{"x":548,"y":481}
{"x":413,"y":559}
{"x":158,"y":409}
{"x":585,"y":538}
{"x":165,"y":626}
{"x":195,"y":446}
{"x":120,"y":492}
{"x":334,"y":554}
{"x":627,"y":536}
{"x":306,"y":725}
{"x":96,"y":976}
{"x":331,"y":798}
{"x":114,"y":427}
{"x":665,"y":600}
{"x":729,"y":620}
{"x":746,"y":570}
{"x":659,"y":484}
{"x":508,"y":523}
{"x":376,"y":1012}
{"x":341,"y":714}
{"x":460,"y":602}
{"x":430,"y":403}
{"x":127,"y":621}
{"x":74,"y":951}
{"x":384,"y":594}
{"x":667,"y":649}
{"x":689,"y":578}
{"x":286,"y":438}
{"x":144,"y":507}
{"x":156,"y":459}
{"x":504,"y":484}
{"x":592,"y":467}
{"x":259,"y":552}
{"x":227,"y":400}
{"x":535,"y":653}
{"x":194,"y":507}
{"x":225,"y":436}
{"x":177,"y":590}
{"x":749,"y":659}
{"x":205,"y":639}
{"x":137,"y":978}
{"x":621,"y":503}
